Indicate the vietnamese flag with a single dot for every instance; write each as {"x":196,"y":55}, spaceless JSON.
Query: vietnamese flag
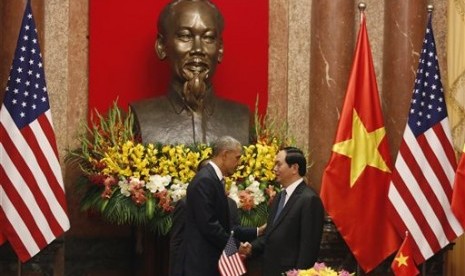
{"x":458,"y":195}
{"x":404,"y":264}
{"x":356,"y":180}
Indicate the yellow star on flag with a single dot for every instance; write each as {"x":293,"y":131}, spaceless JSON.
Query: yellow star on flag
{"x":362,"y":149}
{"x":401,"y":260}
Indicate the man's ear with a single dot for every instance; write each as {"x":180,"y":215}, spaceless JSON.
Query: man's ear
{"x":160,"y":47}
{"x":295,"y":166}
{"x":220,"y":52}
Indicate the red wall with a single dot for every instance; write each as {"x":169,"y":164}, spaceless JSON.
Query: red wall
{"x":124,"y":65}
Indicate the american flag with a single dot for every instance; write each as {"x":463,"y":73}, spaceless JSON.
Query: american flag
{"x":230,"y":263}
{"x":32,"y":196}
{"x":421,"y":186}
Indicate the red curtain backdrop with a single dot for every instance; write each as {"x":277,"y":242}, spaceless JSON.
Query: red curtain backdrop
{"x":124,"y":66}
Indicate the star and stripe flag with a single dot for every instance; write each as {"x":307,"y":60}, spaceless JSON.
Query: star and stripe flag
{"x":422,"y":182}
{"x":230,"y":263}
{"x":420,"y":189}
{"x":33,"y":209}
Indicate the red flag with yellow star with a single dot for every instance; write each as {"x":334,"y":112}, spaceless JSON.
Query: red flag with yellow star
{"x":458,"y":195}
{"x":356,"y":180}
{"x":404,"y":264}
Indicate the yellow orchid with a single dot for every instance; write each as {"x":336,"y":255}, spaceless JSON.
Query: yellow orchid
{"x":110,"y":150}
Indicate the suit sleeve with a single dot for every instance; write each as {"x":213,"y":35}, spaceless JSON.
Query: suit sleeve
{"x":177,"y":236}
{"x":241,"y":233}
{"x":201,"y":201}
{"x":311,"y":223}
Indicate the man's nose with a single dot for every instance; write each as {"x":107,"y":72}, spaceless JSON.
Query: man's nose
{"x":197,"y":45}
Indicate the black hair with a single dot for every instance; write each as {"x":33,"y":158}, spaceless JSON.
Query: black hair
{"x":296,"y":156}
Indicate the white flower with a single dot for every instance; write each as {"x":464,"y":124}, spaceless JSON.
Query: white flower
{"x":124,"y":187}
{"x":254,"y":188}
{"x":234,"y":194}
{"x":157,"y":183}
{"x":178,"y":190}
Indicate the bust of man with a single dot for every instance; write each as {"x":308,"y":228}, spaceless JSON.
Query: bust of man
{"x":190,"y":39}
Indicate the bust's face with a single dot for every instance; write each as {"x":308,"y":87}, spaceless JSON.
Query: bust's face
{"x":193,"y":43}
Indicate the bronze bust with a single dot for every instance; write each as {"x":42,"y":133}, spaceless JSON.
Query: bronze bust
{"x":190,"y":38}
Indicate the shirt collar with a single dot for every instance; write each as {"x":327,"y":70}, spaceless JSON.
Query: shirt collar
{"x":217,"y":170}
{"x":291,"y":188}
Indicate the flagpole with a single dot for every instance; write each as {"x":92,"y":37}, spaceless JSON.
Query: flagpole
{"x":361,"y":8}
{"x":19,"y":267}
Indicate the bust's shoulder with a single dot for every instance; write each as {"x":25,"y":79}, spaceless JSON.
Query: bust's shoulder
{"x":161,"y":101}
{"x":229,"y":105}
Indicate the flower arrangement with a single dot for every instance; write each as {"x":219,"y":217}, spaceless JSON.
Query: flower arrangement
{"x":319,"y":269}
{"x":128,"y":182}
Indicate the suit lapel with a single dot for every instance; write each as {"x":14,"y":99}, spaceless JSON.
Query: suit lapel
{"x":222,"y":191}
{"x":290,"y":202}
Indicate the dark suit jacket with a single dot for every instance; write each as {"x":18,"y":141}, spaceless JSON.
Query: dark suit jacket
{"x":177,"y":233}
{"x":207,"y":227}
{"x":242,"y":234}
{"x":293,"y":241}
{"x":176,"y":239}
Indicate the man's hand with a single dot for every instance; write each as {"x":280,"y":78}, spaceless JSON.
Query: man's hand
{"x":245,"y":249}
{"x":261,"y":229}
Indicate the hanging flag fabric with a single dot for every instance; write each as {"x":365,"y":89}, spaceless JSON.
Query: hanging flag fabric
{"x":421,"y":187}
{"x":32,"y":197}
{"x":356,"y":180}
{"x":230,"y":263}
{"x":458,"y":196}
{"x":403,"y":263}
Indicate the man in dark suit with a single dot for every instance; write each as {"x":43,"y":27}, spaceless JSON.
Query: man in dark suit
{"x":242,"y":234}
{"x":293,"y":235}
{"x":207,"y":224}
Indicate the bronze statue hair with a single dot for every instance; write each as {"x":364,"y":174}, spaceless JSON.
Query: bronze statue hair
{"x":167,"y":12}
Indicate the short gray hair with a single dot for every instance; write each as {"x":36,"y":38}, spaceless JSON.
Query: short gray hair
{"x":225,"y":143}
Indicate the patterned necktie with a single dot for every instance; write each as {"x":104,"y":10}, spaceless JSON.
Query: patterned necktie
{"x":282,"y":200}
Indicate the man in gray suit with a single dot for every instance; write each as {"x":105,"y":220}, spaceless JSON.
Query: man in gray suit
{"x":295,"y":223}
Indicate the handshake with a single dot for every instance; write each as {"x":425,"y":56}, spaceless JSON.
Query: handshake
{"x":245,"y":249}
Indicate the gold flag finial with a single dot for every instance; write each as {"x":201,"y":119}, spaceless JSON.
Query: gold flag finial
{"x":430,"y":8}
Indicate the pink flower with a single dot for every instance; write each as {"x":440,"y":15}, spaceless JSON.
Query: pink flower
{"x":136,"y":188}
{"x":344,"y":273}
{"x":270,"y":191}
{"x":108,"y":182}
{"x":164,"y":201}
{"x":246,"y":200}
{"x":319,"y":266}
{"x":293,"y":272}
